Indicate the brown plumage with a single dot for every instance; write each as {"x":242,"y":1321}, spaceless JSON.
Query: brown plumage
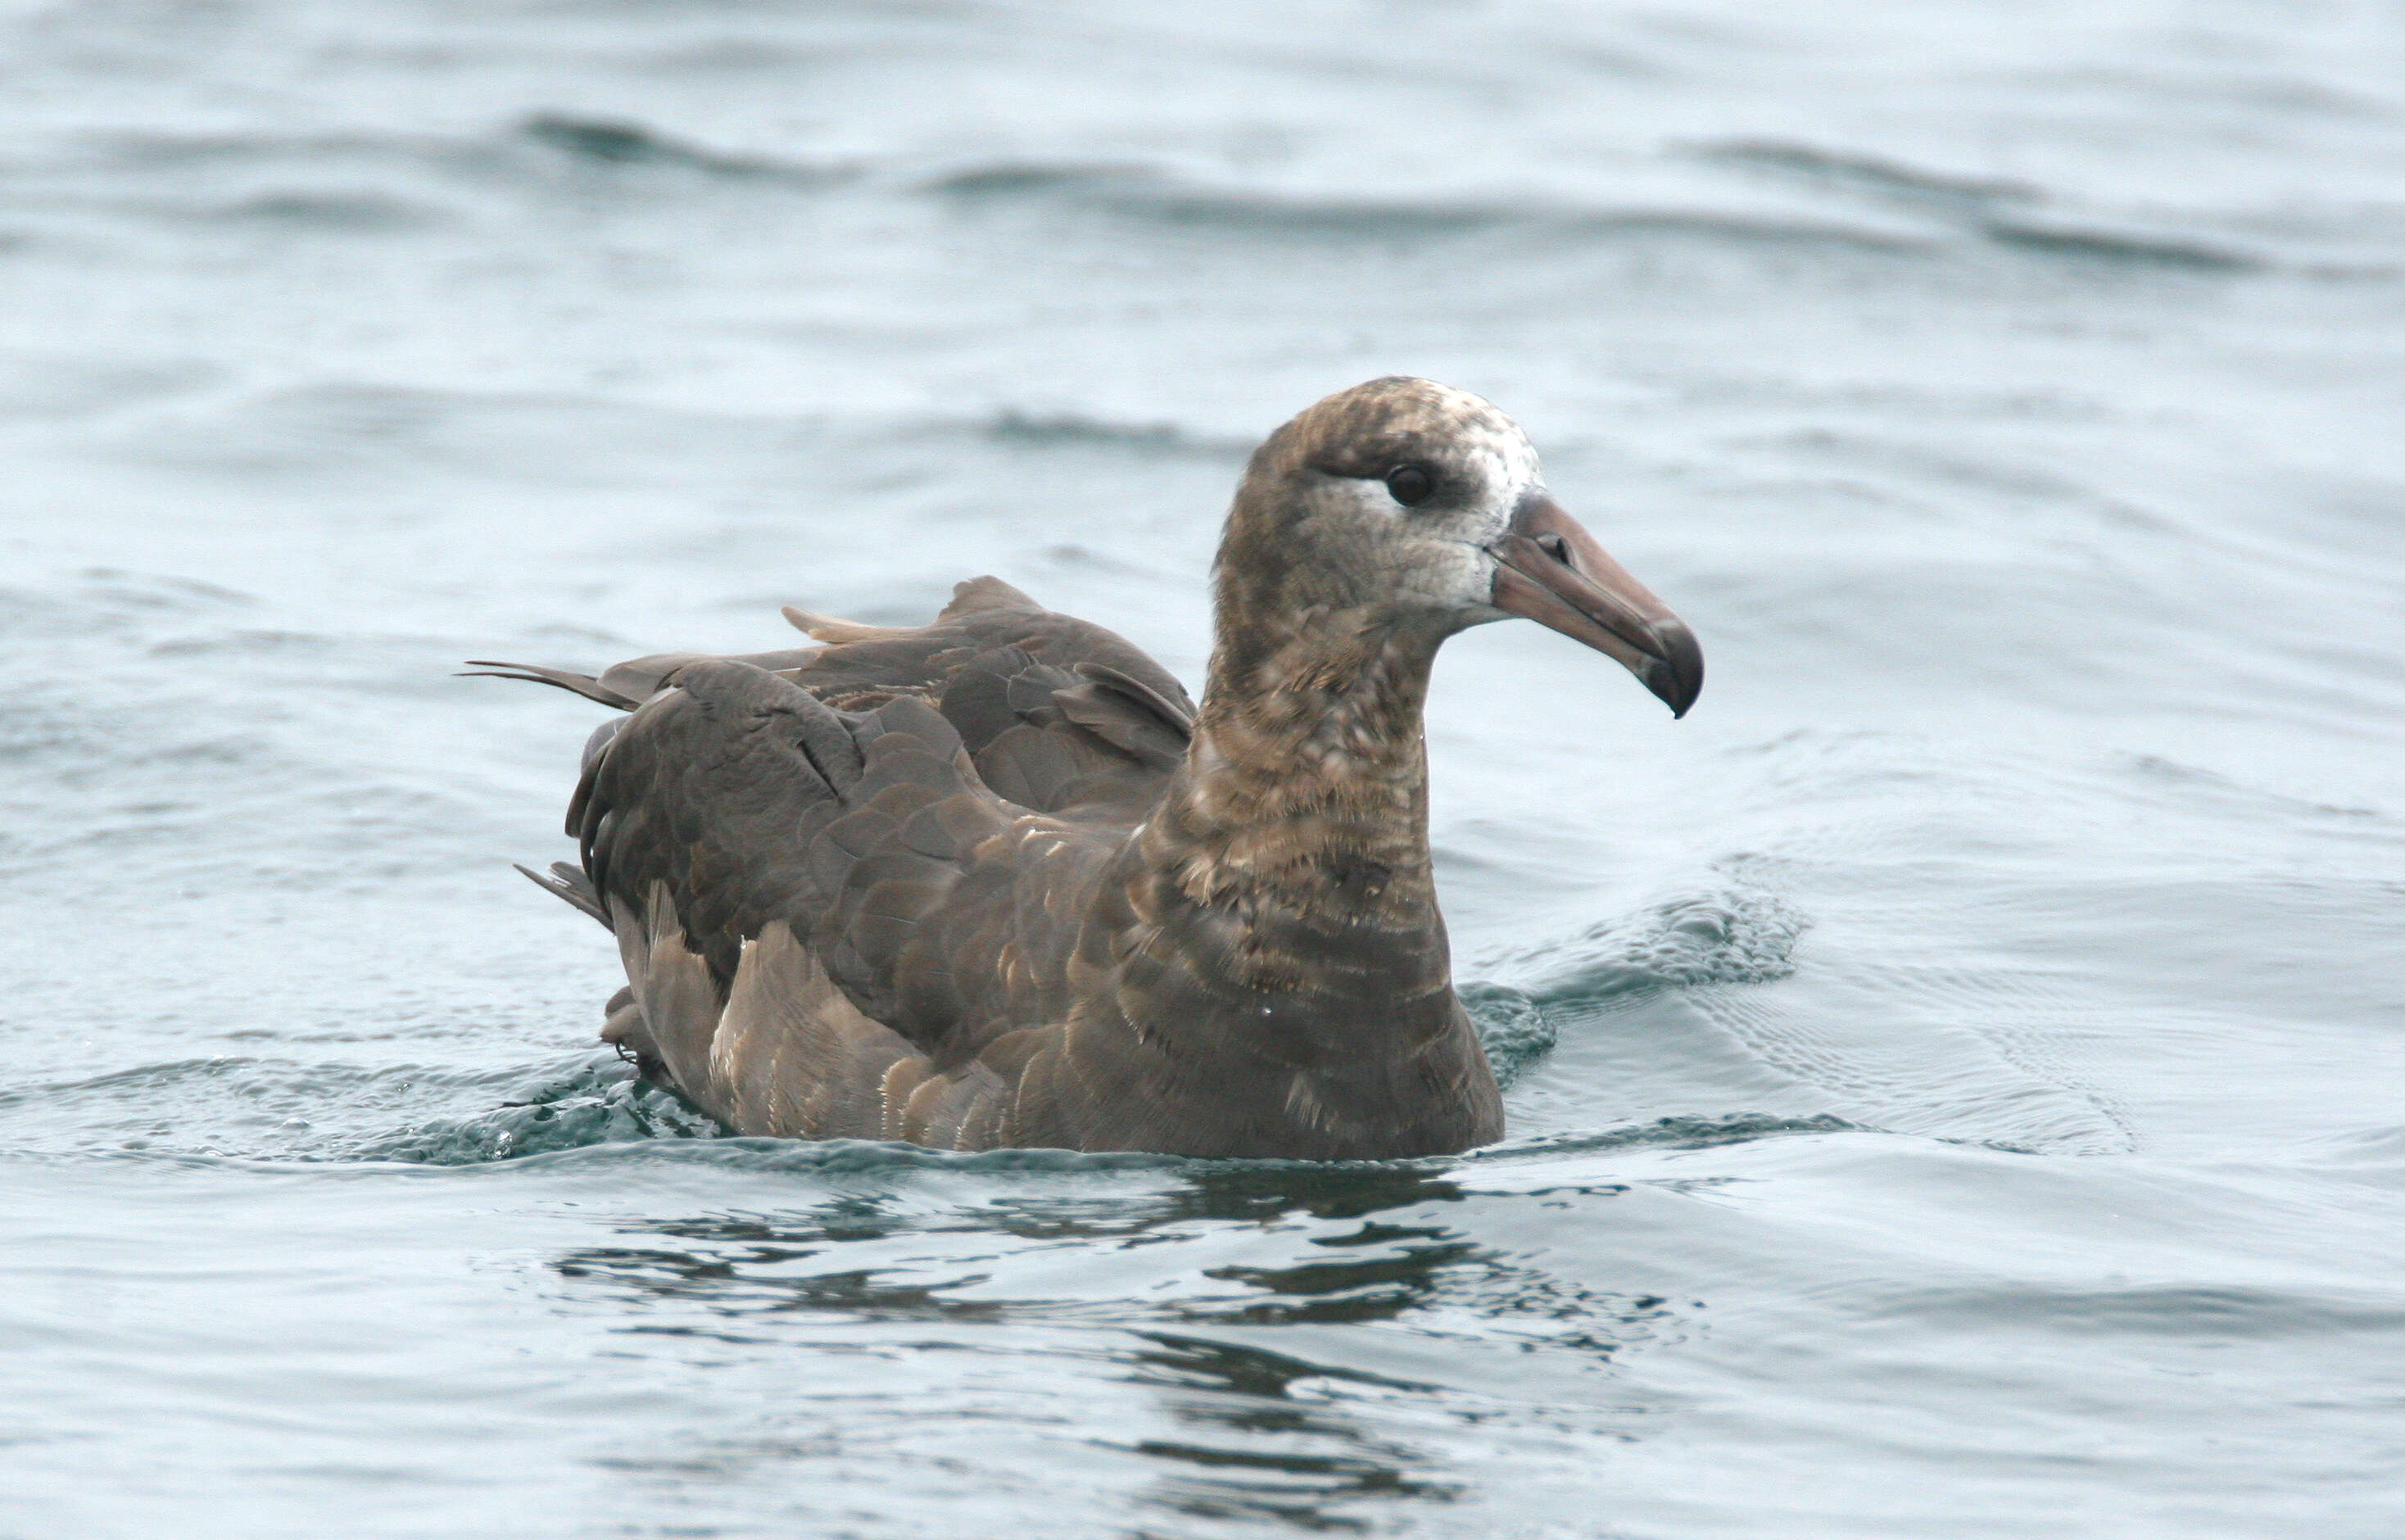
{"x":995,"y":881}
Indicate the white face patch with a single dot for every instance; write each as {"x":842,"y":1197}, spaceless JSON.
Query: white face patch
{"x":1433,"y":555}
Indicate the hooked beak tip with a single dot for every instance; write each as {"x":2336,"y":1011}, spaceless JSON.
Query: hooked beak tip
{"x":1676,"y":672}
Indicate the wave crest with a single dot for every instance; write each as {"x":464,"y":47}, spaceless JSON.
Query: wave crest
{"x":1737,"y":933}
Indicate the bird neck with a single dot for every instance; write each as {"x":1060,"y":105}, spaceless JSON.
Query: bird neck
{"x":1307,"y":779}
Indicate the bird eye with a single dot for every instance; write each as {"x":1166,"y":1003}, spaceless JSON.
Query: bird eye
{"x":1410,"y":485}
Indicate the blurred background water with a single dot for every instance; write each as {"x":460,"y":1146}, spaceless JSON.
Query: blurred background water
{"x":1956,"y":1074}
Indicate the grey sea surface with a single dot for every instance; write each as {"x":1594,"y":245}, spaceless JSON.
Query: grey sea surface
{"x":1955,"y":1077}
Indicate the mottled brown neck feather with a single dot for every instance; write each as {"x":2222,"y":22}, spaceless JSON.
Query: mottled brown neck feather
{"x":1308,"y":759}
{"x":1306,"y":787}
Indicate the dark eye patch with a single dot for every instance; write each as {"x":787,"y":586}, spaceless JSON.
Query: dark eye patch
{"x":1411,"y":485}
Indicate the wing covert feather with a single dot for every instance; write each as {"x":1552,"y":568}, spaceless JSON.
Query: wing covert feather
{"x":805,"y":899}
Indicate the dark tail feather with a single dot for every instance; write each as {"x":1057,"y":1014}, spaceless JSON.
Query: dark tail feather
{"x":591,"y":689}
{"x":569,"y":887}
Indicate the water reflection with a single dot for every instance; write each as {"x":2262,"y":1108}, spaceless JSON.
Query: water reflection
{"x":1093,"y":1292}
{"x":1268,"y":1442}
{"x":1264,"y":1188}
{"x":1377,"y":1287}
{"x":1255,"y":1244}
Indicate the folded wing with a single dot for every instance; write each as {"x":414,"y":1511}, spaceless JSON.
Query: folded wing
{"x":845,"y":881}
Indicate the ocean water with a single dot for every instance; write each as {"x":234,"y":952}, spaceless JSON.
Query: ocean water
{"x":1956,"y":1084}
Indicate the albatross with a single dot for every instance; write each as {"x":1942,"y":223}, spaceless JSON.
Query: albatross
{"x":996,"y":881}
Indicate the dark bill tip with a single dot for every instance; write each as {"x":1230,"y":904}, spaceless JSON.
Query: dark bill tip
{"x":1675,"y":671}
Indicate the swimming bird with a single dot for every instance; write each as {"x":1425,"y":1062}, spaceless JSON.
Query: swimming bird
{"x":996,"y":881}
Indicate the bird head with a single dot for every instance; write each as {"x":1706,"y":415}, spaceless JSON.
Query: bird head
{"x":1425,"y":506}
